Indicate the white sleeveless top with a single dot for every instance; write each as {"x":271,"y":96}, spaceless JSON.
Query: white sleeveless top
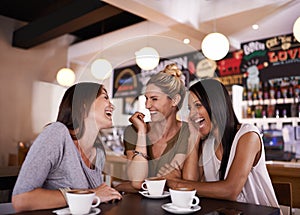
{"x":258,"y":188}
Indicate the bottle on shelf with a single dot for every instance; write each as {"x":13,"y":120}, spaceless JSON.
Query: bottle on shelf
{"x":260,"y":93}
{"x":245,"y":93}
{"x":255,"y":94}
{"x":277,"y":113}
{"x":266,"y":90}
{"x":272,"y":91}
{"x":278,"y":90}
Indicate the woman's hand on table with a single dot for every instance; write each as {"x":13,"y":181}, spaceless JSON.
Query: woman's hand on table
{"x":107,"y":193}
{"x":169,"y":171}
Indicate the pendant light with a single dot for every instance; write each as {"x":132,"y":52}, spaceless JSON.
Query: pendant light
{"x":101,"y":69}
{"x":147,"y":58}
{"x":65,"y":77}
{"x":215,"y":46}
{"x":296,"y":29}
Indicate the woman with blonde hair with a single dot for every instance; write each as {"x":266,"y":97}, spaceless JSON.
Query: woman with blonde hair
{"x":158,"y":148}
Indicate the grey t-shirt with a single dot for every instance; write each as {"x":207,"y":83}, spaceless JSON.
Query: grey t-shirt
{"x":53,"y":162}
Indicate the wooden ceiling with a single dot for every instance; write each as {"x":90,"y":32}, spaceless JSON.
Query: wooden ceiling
{"x":47,"y":19}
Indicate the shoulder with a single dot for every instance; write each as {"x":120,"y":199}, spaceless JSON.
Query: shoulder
{"x":185,"y":125}
{"x":246,"y":128}
{"x":247,"y":134}
{"x":185,"y":129}
{"x":56,"y":127}
{"x":54,"y":132}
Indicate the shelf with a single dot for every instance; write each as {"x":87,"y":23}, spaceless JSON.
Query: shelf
{"x":294,"y":121}
{"x":269,"y":101}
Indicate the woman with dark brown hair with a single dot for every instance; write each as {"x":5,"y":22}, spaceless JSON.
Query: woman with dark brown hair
{"x":68,"y":154}
{"x":225,"y":159}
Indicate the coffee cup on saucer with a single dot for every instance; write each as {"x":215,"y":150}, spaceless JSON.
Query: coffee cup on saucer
{"x":154,"y":185}
{"x":184,"y":197}
{"x":81,"y":201}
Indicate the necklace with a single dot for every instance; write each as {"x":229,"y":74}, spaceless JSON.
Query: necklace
{"x":85,"y":159}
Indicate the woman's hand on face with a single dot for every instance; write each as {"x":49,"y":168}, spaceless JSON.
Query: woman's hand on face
{"x":137,"y":120}
{"x":193,"y":127}
{"x":195,"y":135}
{"x":107,"y":193}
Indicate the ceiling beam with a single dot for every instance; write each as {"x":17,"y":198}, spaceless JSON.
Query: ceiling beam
{"x":74,"y":16}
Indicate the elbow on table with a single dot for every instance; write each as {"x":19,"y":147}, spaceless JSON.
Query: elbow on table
{"x":233,"y":193}
{"x":18,"y":203}
{"x":136,"y":184}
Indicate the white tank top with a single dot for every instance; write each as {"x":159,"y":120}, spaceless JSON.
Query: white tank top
{"x":258,"y":188}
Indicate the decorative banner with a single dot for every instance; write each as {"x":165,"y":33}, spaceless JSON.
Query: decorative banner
{"x":270,"y":58}
{"x":257,"y":61}
{"x":131,"y":81}
{"x":126,"y":83}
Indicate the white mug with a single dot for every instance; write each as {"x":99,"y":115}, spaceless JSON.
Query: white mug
{"x":155,"y":186}
{"x":184,"y":197}
{"x":81,"y":201}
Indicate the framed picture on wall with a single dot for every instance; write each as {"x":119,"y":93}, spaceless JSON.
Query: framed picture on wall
{"x":130,"y":105}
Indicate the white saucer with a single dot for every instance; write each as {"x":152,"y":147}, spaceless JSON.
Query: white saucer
{"x":66,"y":211}
{"x":146,"y":194}
{"x":176,"y":210}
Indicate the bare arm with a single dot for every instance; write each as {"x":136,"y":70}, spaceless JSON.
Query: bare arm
{"x":38,"y":199}
{"x":191,"y":165}
{"x":137,"y":169}
{"x":247,"y":155}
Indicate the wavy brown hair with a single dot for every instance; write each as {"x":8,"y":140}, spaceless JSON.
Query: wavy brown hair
{"x":75,"y":106}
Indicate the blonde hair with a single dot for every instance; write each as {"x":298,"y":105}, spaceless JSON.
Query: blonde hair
{"x":169,"y":81}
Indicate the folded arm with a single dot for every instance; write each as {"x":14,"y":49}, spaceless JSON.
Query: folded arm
{"x":247,"y":154}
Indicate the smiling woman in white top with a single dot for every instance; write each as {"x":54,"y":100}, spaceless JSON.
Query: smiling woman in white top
{"x":225,"y":159}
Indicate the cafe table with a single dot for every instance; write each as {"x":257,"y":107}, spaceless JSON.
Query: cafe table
{"x":136,"y":204}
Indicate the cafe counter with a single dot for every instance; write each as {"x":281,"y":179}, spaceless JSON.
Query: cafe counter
{"x":286,"y":172}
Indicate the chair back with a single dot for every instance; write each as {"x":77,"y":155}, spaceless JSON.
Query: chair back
{"x":283,"y":192}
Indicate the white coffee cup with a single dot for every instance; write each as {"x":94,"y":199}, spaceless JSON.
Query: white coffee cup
{"x":155,"y":185}
{"x":81,"y":201}
{"x":184,"y":197}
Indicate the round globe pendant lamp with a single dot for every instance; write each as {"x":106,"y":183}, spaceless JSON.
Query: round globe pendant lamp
{"x":101,"y":69}
{"x":215,"y":46}
{"x":65,"y":77}
{"x":296,"y":29}
{"x":147,"y":58}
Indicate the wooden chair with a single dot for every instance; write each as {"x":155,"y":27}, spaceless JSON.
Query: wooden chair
{"x":283,"y":192}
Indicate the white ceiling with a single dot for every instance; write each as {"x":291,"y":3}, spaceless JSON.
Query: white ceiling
{"x":170,"y":21}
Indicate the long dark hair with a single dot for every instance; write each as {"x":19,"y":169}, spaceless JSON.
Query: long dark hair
{"x":215,"y":98}
{"x":75,"y":106}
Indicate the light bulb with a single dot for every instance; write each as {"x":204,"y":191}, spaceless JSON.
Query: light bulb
{"x":65,"y":77}
{"x":147,"y":58}
{"x":296,"y":29}
{"x":215,"y":46}
{"x":101,"y":69}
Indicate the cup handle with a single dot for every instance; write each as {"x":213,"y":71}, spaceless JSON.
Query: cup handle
{"x":97,"y":201}
{"x":196,"y":201}
{"x":143,"y":186}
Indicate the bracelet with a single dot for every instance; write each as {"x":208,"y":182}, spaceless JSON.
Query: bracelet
{"x":64,"y":191}
{"x":136,"y":153}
